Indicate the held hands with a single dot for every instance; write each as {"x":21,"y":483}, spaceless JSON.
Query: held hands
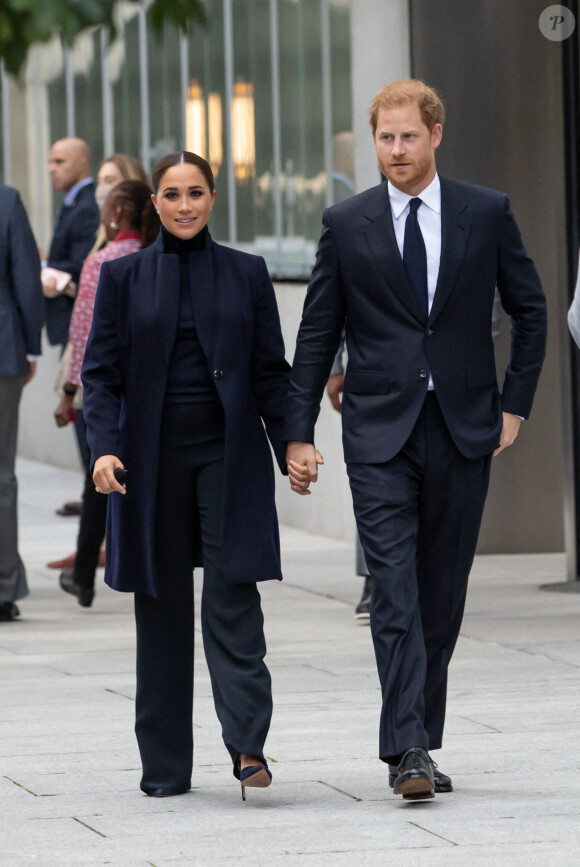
{"x":103,"y":475}
{"x":509,"y":431}
{"x":303,"y":461}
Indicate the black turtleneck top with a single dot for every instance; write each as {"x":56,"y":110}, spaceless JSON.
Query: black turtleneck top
{"x":189,"y":379}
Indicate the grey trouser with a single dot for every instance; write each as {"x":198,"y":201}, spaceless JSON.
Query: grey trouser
{"x":13,"y":584}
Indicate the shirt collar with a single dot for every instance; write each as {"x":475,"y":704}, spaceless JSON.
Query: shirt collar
{"x":431,"y":196}
{"x":74,"y":191}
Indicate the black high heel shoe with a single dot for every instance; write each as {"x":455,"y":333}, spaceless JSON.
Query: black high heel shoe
{"x":254,"y":776}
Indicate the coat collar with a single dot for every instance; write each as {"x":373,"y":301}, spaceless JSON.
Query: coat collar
{"x":455,"y":228}
{"x":164,"y":295}
{"x":157,"y":247}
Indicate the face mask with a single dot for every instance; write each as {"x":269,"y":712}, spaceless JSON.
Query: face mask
{"x":101,"y":193}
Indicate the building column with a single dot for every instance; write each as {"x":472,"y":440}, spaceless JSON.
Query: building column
{"x":380,"y":52}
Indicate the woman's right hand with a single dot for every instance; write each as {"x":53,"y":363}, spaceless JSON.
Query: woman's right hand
{"x":103,"y":475}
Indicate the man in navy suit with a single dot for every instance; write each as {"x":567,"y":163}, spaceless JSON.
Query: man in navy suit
{"x":21,"y":316}
{"x":411,"y":266}
{"x":75,"y":229}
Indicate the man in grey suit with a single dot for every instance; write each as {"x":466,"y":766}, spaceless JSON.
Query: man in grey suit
{"x":21,"y":319}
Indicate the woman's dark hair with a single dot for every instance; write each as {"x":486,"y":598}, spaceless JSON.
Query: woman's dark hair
{"x":134,"y":199}
{"x":175,"y":160}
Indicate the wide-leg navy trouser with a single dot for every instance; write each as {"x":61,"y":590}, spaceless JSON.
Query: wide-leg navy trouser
{"x":190,"y":487}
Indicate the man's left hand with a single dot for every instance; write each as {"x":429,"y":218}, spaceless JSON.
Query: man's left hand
{"x":509,"y":431}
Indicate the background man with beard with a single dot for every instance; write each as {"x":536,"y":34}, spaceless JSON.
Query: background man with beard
{"x":411,"y":266}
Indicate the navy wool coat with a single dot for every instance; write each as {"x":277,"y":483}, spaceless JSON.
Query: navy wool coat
{"x":124,"y":378}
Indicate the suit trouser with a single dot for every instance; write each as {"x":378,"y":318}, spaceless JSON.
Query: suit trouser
{"x":418,"y":516}
{"x":13,"y":584}
{"x":91,"y":534}
{"x":191,"y":482}
{"x":92,"y":526}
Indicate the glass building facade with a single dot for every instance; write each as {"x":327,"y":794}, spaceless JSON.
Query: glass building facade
{"x":263,"y":93}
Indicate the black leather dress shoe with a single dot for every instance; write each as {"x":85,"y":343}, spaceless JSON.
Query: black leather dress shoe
{"x":85,"y":595}
{"x":164,"y":793}
{"x":442,"y":781}
{"x":415,"y":780}
{"x":9,"y":611}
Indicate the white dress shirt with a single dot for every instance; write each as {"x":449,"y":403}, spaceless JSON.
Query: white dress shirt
{"x":429,"y":217}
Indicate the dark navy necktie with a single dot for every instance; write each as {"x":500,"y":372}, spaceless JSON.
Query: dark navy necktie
{"x":415,"y":256}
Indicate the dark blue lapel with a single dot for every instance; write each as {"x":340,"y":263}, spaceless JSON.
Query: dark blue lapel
{"x":455,"y":231}
{"x":380,"y":237}
{"x":205,"y":298}
{"x":163,"y":298}
{"x":159,"y":301}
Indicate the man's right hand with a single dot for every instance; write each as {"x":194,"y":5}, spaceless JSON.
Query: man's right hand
{"x":303,"y":461}
{"x":334,"y":388}
{"x":104,"y":477}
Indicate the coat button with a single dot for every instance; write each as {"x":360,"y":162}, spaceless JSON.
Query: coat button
{"x":218,"y":374}
{"x":429,"y":332}
{"x":423,"y":374}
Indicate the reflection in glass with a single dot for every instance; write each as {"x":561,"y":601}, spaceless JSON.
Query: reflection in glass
{"x":271,"y":167}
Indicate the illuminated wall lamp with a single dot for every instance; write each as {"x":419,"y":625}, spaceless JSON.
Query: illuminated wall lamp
{"x":214,"y":115}
{"x":195,"y":120}
{"x":243,"y":131}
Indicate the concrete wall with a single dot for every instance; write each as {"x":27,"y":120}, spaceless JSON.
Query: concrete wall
{"x":501,"y":81}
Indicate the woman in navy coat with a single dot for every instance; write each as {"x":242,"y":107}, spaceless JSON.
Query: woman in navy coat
{"x":185,"y":381}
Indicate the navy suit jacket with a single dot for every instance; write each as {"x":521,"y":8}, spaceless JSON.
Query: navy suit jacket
{"x":392,"y":347}
{"x":21,"y":299}
{"x":73,"y":239}
{"x":125,"y":376}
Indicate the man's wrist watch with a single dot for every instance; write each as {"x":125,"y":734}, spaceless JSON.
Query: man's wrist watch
{"x":69,"y":390}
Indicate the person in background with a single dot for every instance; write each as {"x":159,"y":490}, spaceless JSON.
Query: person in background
{"x":112,"y":170}
{"x":21,"y":319}
{"x":130,"y":223}
{"x":334,"y":388}
{"x":574,"y":313}
{"x":185,"y":381}
{"x":75,"y":229}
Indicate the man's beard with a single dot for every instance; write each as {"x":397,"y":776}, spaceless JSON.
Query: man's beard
{"x":418,"y":170}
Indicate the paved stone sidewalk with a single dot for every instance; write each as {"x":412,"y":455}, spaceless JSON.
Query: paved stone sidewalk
{"x":69,"y":766}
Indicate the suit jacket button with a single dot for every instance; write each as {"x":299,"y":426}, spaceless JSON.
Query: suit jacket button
{"x":423,"y":374}
{"x":218,"y":374}
{"x":429,"y":332}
